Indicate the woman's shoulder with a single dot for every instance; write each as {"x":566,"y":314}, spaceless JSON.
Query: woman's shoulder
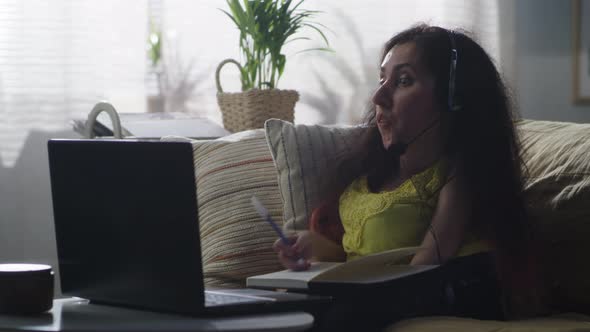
{"x":325,"y":220}
{"x":433,"y":178}
{"x":358,"y":185}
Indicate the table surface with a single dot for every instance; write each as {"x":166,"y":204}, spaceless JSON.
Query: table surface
{"x":73,"y":314}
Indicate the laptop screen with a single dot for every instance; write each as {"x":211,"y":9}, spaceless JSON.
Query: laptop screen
{"x":126,"y":222}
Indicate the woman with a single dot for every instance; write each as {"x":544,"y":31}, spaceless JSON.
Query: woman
{"x":441,"y":162}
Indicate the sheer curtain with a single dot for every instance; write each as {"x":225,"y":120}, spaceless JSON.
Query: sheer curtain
{"x":59,"y":57}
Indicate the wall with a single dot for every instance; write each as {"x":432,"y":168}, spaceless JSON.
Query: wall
{"x":26,"y":218}
{"x":543,"y":61}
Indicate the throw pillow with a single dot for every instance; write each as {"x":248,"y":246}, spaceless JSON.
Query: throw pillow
{"x":313,"y":162}
{"x":558,"y":192}
{"x":236,"y":243}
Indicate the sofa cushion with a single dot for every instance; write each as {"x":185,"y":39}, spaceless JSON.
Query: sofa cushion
{"x":557,"y":323}
{"x":236,"y":243}
{"x":307,"y":158}
{"x":558,"y":192}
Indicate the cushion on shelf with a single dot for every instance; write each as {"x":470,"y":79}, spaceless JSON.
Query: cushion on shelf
{"x":308,"y":160}
{"x":236,"y":243}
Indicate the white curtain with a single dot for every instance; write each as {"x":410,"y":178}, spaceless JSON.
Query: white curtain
{"x":59,"y":57}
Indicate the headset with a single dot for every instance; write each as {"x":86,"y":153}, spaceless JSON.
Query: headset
{"x":451,"y":103}
{"x":452,"y":107}
{"x":452,"y":72}
{"x":400,"y":148}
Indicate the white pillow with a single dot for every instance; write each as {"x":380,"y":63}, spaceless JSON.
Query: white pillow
{"x":309,"y":161}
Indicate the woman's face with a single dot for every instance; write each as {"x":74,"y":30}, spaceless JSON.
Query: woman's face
{"x":404,"y":102}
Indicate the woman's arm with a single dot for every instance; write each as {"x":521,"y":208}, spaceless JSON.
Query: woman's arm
{"x":323,"y":241}
{"x":443,"y":239}
{"x":308,"y":246}
{"x":326,"y":231}
{"x":326,"y":250}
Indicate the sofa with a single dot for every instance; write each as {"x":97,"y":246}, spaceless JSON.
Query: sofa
{"x":290,"y":168}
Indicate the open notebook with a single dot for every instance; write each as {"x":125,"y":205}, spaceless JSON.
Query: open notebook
{"x":376,"y":269}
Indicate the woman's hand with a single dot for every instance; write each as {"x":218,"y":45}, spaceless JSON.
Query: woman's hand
{"x":297,"y":255}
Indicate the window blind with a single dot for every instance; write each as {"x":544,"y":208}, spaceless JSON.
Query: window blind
{"x":59,"y":57}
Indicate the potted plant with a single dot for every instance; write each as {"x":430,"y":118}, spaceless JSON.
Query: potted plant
{"x":265,"y":27}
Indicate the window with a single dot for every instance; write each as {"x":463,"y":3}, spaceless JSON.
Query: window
{"x":59,"y":57}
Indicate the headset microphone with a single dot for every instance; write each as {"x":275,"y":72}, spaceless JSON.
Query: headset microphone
{"x":399,"y":148}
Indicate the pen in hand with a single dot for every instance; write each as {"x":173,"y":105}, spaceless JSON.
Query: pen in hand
{"x":263,"y":212}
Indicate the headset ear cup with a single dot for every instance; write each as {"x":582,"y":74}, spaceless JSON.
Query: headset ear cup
{"x":454,"y":57}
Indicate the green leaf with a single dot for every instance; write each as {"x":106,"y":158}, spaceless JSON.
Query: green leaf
{"x":319,"y":31}
{"x":324,"y":49}
{"x":231,"y":17}
{"x":296,"y":39}
{"x":281,"y":61}
{"x":265,"y":27}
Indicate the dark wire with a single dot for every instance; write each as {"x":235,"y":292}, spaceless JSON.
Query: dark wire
{"x":430,"y":126}
{"x":430,"y":228}
{"x":435,"y":242}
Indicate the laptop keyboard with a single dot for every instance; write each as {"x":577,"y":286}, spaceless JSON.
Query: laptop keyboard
{"x":213,"y":298}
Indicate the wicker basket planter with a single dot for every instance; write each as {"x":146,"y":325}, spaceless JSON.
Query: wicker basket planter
{"x":249,"y":109}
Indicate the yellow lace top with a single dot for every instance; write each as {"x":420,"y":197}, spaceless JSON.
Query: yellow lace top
{"x":375,"y":222}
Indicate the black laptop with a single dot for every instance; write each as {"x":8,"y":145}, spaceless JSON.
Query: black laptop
{"x":127,"y":230}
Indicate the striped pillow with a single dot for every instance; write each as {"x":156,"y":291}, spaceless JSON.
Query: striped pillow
{"x":236,"y":243}
{"x":309,"y":160}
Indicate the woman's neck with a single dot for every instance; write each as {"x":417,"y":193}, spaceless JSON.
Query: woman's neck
{"x":416,"y":159}
{"x":421,"y":154}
